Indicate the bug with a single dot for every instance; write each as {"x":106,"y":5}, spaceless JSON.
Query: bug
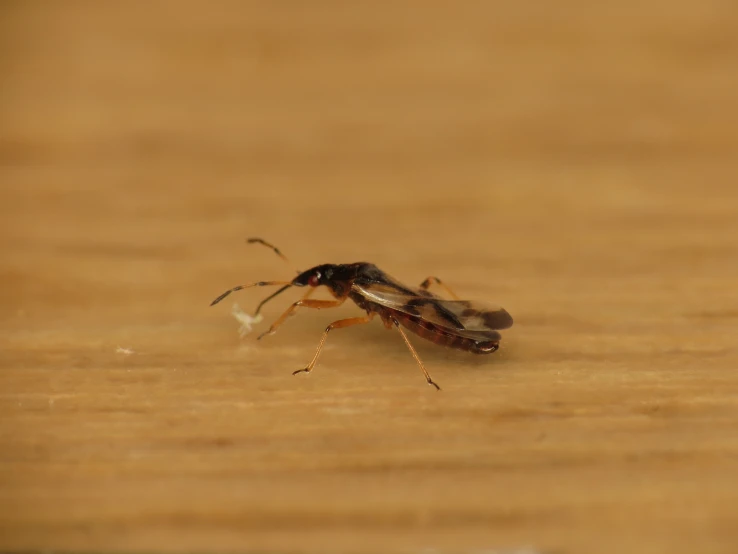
{"x":455,"y":323}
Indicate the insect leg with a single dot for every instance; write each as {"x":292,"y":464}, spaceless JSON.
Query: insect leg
{"x":318,"y":304}
{"x":415,"y":355}
{"x":427,"y":283}
{"x":335,"y":325}
{"x":290,"y":312}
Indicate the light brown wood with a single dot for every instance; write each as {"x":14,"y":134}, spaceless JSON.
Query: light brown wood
{"x":573,"y":162}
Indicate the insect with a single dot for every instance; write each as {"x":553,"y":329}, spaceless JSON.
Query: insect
{"x":455,"y":323}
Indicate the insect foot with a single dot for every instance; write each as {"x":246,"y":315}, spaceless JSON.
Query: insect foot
{"x":266,"y":333}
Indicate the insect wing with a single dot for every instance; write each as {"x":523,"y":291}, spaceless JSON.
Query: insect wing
{"x":459,"y":315}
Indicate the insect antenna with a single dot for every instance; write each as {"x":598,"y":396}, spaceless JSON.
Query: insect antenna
{"x":278,"y":252}
{"x":257,"y":284}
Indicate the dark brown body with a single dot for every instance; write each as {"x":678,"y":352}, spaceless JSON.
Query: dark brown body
{"x":427,"y":330}
{"x":365,"y":276}
{"x":459,"y":324}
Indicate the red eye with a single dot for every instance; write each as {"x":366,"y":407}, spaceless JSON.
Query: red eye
{"x":314,"y":280}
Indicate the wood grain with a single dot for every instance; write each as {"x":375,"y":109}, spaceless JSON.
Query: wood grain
{"x":575,"y":163}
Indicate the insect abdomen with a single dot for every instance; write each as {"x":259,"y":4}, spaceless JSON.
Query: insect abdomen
{"x":444,"y":337}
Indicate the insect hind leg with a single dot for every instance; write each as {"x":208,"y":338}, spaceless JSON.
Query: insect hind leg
{"x":415,"y":355}
{"x":425,"y":285}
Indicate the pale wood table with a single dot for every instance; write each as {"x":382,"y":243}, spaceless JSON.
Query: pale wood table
{"x":574,"y":165}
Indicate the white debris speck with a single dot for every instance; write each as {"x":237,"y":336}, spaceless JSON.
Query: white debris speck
{"x":126,"y":351}
{"x":246,"y":320}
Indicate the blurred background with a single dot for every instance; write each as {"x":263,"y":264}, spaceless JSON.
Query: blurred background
{"x":573,"y":162}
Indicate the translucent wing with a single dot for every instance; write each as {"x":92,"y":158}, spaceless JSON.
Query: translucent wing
{"x":457,"y":315}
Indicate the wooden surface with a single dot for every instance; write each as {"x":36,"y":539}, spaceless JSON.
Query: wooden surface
{"x":575,"y":165}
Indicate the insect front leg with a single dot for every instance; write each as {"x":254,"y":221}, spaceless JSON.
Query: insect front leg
{"x":427,"y":283}
{"x":335,"y":325}
{"x":318,"y":304}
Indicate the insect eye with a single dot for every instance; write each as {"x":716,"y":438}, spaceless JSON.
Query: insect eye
{"x":314,"y":280}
